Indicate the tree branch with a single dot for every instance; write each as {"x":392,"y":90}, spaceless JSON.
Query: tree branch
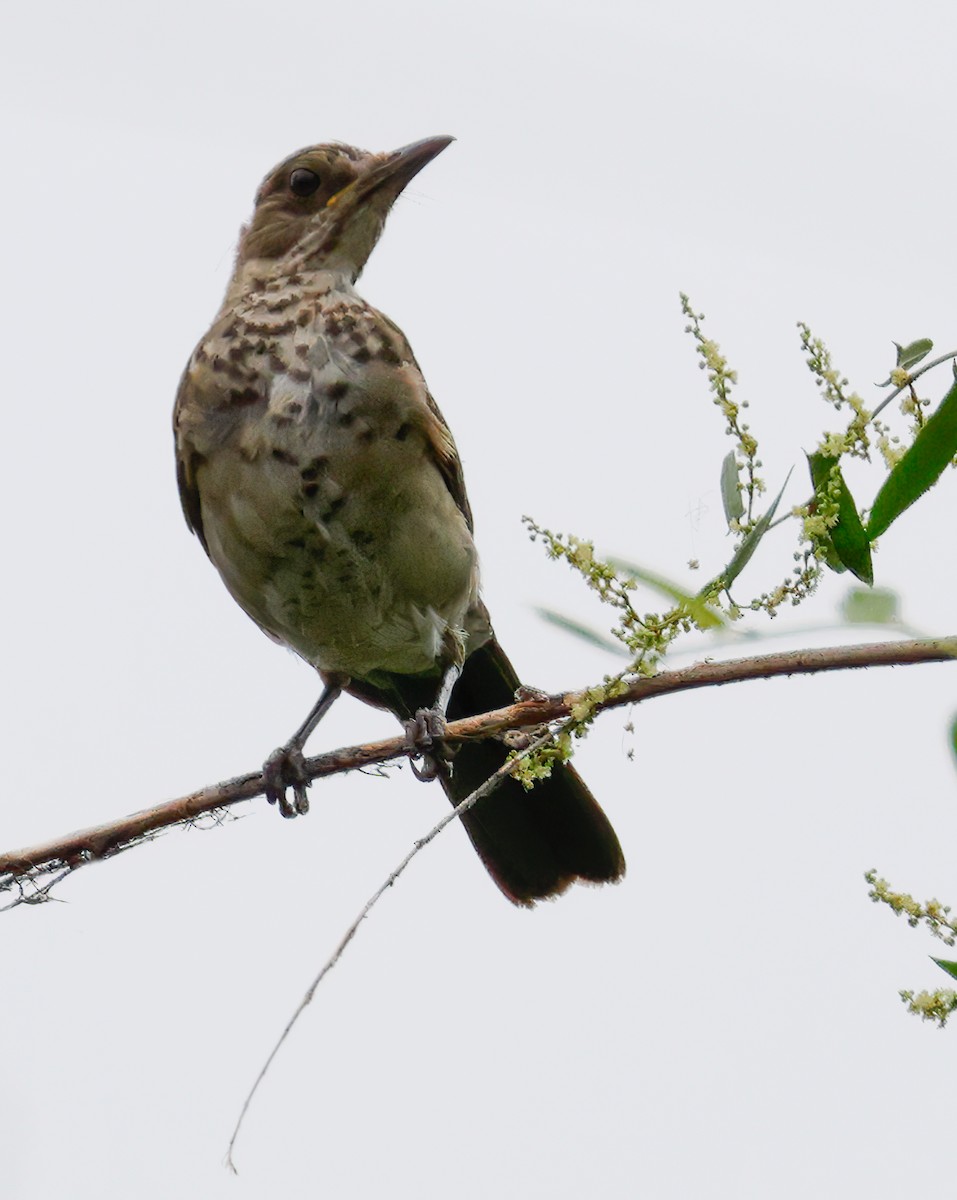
{"x":33,"y":871}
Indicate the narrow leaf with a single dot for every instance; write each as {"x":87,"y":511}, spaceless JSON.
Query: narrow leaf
{"x":850,"y":542}
{"x":730,"y":491}
{"x":920,"y":468}
{"x":750,"y":543}
{"x":585,"y":632}
{"x":833,"y":559}
{"x":907,"y":357}
{"x":702,"y":615}
{"x":910,"y":355}
{"x":946,"y":965}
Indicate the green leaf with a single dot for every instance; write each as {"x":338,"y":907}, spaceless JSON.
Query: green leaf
{"x":749,"y":544}
{"x":871,"y":606}
{"x":850,"y":542}
{"x":585,"y":632}
{"x":833,"y":559}
{"x":953,"y":736}
{"x":946,"y":965}
{"x":920,"y":468}
{"x":703,"y":616}
{"x":910,"y":355}
{"x":730,"y":491}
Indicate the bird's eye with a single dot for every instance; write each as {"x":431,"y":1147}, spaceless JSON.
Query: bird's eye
{"x":303,"y":181}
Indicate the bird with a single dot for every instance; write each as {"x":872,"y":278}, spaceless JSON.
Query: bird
{"x":325,"y":486}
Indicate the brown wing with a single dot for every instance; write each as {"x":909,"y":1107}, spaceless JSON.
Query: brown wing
{"x":206,"y":414}
{"x":438,"y":433}
{"x":187,"y":460}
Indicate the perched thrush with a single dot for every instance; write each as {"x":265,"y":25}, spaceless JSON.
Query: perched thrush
{"x":324,"y":484}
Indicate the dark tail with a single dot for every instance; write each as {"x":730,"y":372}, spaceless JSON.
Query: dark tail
{"x":534,"y":844}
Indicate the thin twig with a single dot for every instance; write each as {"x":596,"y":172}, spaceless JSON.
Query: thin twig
{"x":30,"y":866}
{"x":462,"y":807}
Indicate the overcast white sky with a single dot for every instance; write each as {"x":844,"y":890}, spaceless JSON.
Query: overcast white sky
{"x":723,"y":1024}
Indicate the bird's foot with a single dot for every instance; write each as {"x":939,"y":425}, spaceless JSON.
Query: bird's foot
{"x":521,"y":739}
{"x":425,"y":738}
{"x":286,"y":780}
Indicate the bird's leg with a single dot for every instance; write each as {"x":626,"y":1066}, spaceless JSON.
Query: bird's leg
{"x":285,"y":769}
{"x":425,"y":732}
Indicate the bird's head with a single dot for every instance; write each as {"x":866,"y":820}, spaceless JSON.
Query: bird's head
{"x":324,"y":207}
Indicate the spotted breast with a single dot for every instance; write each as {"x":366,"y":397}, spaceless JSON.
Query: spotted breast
{"x":322,"y":501}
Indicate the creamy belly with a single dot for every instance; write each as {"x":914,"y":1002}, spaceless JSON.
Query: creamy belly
{"x":334,"y":529}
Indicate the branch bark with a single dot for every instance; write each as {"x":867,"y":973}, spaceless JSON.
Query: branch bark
{"x":33,"y":871}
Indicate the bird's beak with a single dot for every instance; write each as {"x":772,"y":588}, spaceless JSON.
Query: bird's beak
{"x":389,"y":174}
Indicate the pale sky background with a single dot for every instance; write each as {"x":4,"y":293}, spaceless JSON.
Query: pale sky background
{"x":726,"y":1022}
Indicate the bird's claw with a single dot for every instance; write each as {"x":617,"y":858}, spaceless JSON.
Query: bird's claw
{"x":285,"y":772}
{"x":425,"y":738}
